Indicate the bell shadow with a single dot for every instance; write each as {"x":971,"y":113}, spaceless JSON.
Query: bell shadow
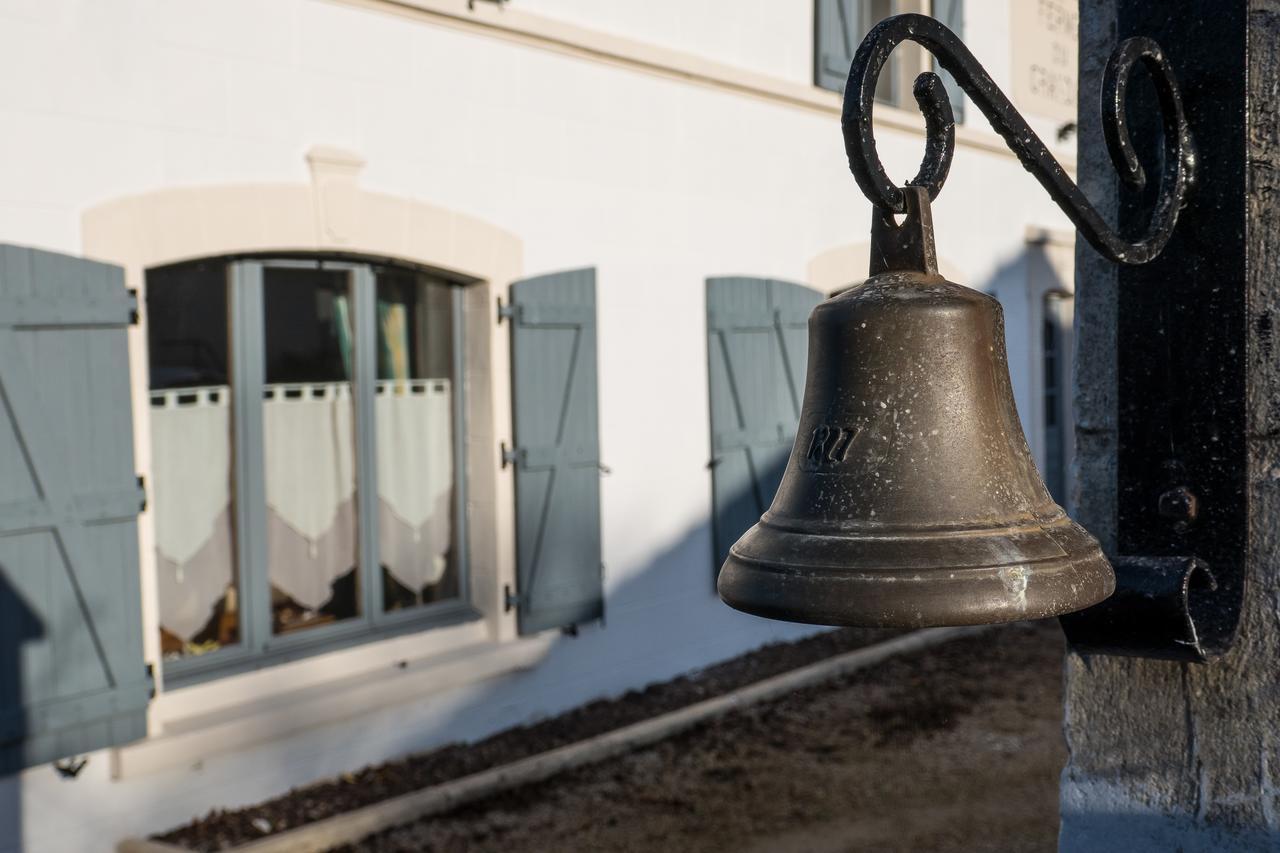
{"x":19,"y":624}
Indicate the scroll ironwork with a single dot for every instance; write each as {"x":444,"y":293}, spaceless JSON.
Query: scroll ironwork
{"x":1177,"y":171}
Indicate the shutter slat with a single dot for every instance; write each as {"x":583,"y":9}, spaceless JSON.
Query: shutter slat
{"x":107,"y":309}
{"x":72,"y":674}
{"x":554,"y":407}
{"x":756,"y":367}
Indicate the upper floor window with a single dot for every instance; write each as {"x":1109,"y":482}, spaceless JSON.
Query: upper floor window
{"x":305,"y":428}
{"x":840,"y":26}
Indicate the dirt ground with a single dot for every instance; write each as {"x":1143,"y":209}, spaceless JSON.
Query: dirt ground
{"x":226,"y":828}
{"x":957,"y":748}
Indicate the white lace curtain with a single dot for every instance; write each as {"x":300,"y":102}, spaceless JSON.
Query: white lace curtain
{"x":310,"y":477}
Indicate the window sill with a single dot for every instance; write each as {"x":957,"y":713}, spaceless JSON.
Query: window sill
{"x":187,"y":741}
{"x":232,"y":661}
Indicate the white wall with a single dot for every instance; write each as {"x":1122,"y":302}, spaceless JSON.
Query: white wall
{"x":656,"y":182}
{"x":767,"y":36}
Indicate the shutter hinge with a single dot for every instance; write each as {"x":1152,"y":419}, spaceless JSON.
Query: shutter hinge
{"x":142,"y":486}
{"x":70,"y":767}
{"x":134,"y":317}
{"x":511,"y":598}
{"x":506,"y":311}
{"x":510,"y":455}
{"x":151,"y":681}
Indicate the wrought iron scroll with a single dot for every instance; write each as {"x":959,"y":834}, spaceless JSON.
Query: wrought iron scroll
{"x":1177,"y":172}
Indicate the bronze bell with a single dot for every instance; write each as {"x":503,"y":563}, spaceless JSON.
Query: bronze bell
{"x":911,"y":498}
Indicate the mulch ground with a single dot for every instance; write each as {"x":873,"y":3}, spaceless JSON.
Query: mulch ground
{"x":226,"y":828}
{"x":956,"y":748}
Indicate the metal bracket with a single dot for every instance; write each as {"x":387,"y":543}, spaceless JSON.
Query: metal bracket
{"x":1178,"y":156}
{"x":1162,"y":608}
{"x":1180,"y":353}
{"x":1192,"y":366}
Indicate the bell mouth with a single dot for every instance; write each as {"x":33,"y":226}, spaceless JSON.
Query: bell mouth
{"x":1006,"y":574}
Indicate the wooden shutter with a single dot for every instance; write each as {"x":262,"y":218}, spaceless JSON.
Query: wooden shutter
{"x":951,"y":13}
{"x":836,"y":35}
{"x":72,"y":675}
{"x":557,"y":452}
{"x":757,"y":350}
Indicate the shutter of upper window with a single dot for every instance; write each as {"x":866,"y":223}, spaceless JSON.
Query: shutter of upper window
{"x":557,"y":452}
{"x":836,"y":28}
{"x":757,"y":350}
{"x":951,"y":14}
{"x":72,"y":675}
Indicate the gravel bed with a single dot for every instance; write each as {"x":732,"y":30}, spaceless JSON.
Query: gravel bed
{"x":221,"y":829}
{"x":954,"y":749}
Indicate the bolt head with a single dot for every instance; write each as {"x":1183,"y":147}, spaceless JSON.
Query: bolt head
{"x":1179,"y":505}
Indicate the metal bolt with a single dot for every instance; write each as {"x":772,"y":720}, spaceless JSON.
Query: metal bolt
{"x":1180,"y":505}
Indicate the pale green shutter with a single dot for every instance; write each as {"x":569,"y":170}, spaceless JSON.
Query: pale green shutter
{"x":757,"y":349}
{"x":72,"y":675}
{"x":557,"y":452}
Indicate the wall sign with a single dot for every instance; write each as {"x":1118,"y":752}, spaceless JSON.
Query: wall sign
{"x":1045,"y":57}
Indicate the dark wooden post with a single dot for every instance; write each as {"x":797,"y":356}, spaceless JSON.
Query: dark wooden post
{"x":1178,"y":371}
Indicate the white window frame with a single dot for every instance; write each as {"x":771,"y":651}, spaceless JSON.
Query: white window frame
{"x":330,"y":214}
{"x":257,"y":646}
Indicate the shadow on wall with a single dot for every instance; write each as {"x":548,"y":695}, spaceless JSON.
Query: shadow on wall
{"x":668,"y":600}
{"x":18,"y":625}
{"x":671,"y":600}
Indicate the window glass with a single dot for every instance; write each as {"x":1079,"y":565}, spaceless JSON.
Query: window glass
{"x":191,"y":455}
{"x":414,"y":415}
{"x":309,"y":447}
{"x":840,"y":27}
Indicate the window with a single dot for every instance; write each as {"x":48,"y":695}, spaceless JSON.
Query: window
{"x":306,"y":441}
{"x":840,"y":26}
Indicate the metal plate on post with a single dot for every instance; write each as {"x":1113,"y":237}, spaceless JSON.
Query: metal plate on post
{"x":1182,"y":371}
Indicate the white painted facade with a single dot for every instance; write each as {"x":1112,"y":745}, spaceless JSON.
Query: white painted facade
{"x":660,"y":142}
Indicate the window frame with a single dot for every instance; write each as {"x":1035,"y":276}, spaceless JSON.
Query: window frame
{"x":258,"y":647}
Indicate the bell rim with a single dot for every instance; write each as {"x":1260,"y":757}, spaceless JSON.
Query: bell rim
{"x":847,"y":529}
{"x":907,"y":596}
